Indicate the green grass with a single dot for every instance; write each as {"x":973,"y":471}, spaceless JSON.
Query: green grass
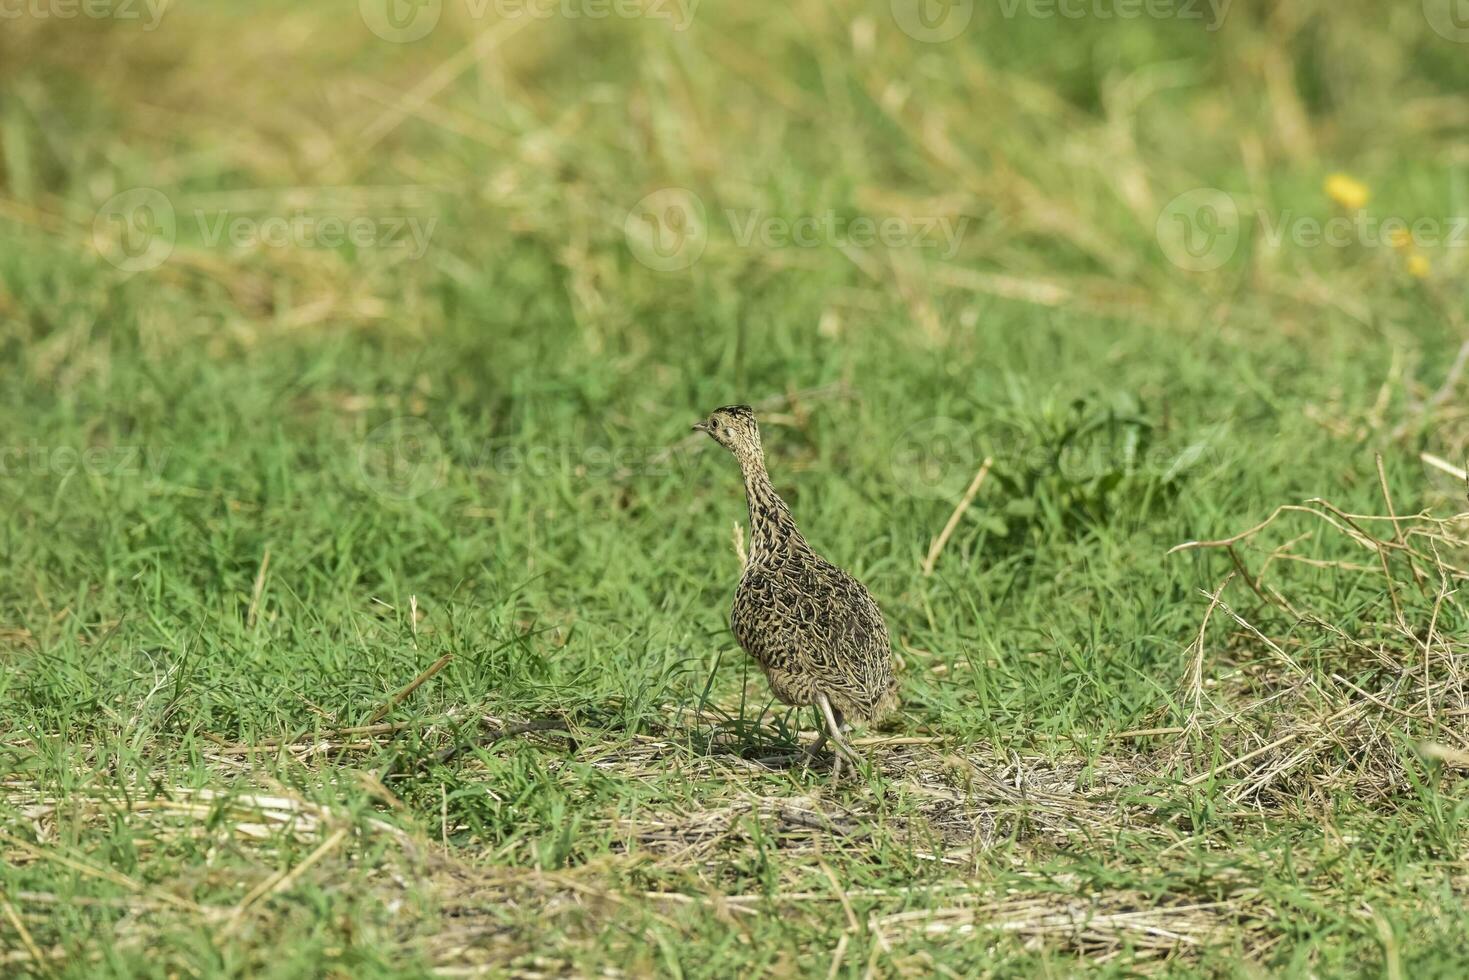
{"x":249,"y":495}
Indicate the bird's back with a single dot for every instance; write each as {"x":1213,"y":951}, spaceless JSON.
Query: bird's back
{"x":815,"y":629}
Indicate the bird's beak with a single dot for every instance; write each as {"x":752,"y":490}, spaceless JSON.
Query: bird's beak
{"x":701,"y":426}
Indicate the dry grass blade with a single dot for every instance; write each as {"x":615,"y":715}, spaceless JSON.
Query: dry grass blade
{"x":409,"y":688}
{"x":26,"y":939}
{"x":1195,"y":682}
{"x":853,"y":923}
{"x":282,"y":880}
{"x":259,"y":588}
{"x":937,"y":547}
{"x":1443,"y":465}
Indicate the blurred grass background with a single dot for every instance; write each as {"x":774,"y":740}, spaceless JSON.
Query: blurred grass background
{"x":252,"y":490}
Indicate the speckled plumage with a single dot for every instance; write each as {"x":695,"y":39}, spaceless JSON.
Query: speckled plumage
{"x":813,"y":628}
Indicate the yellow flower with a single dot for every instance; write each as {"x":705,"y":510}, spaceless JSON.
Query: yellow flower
{"x":1348,"y":192}
{"x":1418,"y":267}
{"x":1400,"y":238}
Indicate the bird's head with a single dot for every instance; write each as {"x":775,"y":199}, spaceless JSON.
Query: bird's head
{"x":733,"y":427}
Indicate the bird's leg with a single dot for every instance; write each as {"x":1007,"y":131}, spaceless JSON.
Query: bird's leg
{"x":835,"y":729}
{"x":809,"y":753}
{"x":820,"y":743}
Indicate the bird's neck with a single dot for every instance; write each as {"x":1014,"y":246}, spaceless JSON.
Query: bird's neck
{"x":772,"y":528}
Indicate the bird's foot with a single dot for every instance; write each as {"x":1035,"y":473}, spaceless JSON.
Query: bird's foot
{"x":835,"y":729}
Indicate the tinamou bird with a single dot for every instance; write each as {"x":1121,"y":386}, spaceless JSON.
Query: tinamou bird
{"x":814,"y":630}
